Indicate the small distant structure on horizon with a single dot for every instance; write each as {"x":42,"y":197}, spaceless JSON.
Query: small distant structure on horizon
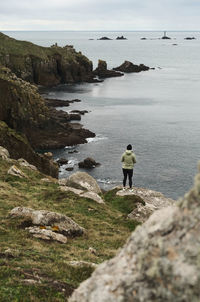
{"x":165,"y":37}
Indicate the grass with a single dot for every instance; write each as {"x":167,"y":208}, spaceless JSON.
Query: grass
{"x":23,"y":257}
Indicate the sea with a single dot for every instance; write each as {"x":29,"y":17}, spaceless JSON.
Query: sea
{"x":157,"y":111}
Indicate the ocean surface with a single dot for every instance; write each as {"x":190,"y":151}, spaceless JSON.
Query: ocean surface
{"x":157,"y":111}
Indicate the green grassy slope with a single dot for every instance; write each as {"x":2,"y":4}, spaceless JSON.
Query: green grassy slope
{"x":23,"y":257}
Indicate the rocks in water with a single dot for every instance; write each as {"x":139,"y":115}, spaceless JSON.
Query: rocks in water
{"x":59,"y":103}
{"x":82,"y":112}
{"x":102,"y":72}
{"x":83,"y":181}
{"x":121,"y":38}
{"x":190,"y":38}
{"x":69,"y":169}
{"x":75,"y":117}
{"x":130,"y":67}
{"x":53,"y":221}
{"x":15,"y":171}
{"x":166,"y":38}
{"x":88,"y":163}
{"x":4,"y":154}
{"x":153,"y":201}
{"x":104,"y":38}
{"x":62,"y":161}
{"x":159,"y":262}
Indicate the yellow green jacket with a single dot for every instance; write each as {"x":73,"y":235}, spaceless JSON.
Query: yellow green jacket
{"x":128,"y":159}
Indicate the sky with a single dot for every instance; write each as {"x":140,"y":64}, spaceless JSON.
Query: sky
{"x":99,"y":15}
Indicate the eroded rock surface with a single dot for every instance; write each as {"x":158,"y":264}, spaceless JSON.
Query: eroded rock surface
{"x":159,"y":262}
{"x":130,"y":67}
{"x":153,"y":201}
{"x":84,"y":181}
{"x":55,"y":221}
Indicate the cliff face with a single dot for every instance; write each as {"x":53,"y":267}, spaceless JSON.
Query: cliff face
{"x":47,"y":66}
{"x":159,"y":262}
{"x":24,"y":111}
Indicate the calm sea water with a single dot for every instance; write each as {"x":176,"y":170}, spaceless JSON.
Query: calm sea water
{"x":156,"y":111}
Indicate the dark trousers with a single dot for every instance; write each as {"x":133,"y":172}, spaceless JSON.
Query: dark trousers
{"x":129,"y":173}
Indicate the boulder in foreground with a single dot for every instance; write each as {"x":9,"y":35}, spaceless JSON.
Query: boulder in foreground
{"x":159,"y":262}
{"x":49,"y":220}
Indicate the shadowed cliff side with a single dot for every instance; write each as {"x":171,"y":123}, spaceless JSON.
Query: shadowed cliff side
{"x":47,"y":66}
{"x":159,"y":262}
{"x":24,"y":110}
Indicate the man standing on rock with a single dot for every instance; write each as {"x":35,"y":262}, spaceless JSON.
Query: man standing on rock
{"x":128,"y":160}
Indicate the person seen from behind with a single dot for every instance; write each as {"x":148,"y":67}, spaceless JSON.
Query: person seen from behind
{"x":128,"y":160}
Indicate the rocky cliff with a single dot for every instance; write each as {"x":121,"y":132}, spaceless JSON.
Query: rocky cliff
{"x":159,"y":262}
{"x":47,"y":66}
{"x":24,"y":111}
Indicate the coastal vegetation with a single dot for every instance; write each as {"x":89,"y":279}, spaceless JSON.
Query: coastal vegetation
{"x":32,"y":269}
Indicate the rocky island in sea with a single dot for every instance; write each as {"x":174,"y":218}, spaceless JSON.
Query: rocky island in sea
{"x":55,"y":234}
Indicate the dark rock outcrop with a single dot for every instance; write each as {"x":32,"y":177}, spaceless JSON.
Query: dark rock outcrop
{"x":19,"y":147}
{"x":59,"y":103}
{"x":24,"y":110}
{"x":104,"y":38}
{"x":102,"y":72}
{"x":159,"y":262}
{"x":47,"y":66}
{"x":62,"y":161}
{"x":88,"y":163}
{"x":190,"y":38}
{"x":121,"y":38}
{"x":130,"y":67}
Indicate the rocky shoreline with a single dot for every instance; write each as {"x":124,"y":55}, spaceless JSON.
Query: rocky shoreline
{"x":34,"y":121}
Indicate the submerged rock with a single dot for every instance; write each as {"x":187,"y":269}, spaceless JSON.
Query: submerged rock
{"x":159,"y":262}
{"x":88,"y":163}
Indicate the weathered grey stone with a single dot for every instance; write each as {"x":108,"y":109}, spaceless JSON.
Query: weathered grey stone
{"x":85,"y":181}
{"x":16,"y":172}
{"x":63,"y":224}
{"x":82,"y":264}
{"x":46,"y":234}
{"x":94,"y":196}
{"x":24,"y":163}
{"x":4,"y":154}
{"x":153,"y":201}
{"x":159,"y":262}
{"x":91,"y":195}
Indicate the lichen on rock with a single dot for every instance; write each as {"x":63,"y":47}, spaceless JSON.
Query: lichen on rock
{"x":159,"y":262}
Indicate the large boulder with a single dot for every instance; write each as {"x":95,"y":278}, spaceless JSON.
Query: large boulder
{"x":159,"y":262}
{"x":83,"y":181}
{"x":130,"y":67}
{"x":153,"y":201}
{"x":58,"y":222}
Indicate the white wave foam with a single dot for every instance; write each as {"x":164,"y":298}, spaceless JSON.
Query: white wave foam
{"x":95,"y":139}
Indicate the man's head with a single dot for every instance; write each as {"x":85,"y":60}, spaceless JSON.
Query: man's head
{"x":129,"y":147}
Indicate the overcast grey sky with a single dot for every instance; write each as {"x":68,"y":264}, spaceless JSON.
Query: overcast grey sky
{"x":99,"y":15}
